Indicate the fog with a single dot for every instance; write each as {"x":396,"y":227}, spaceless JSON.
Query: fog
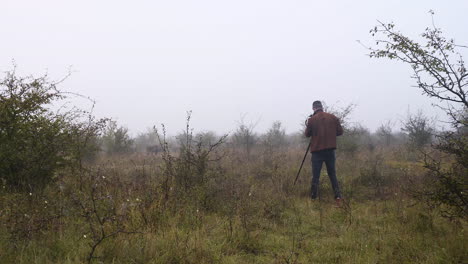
{"x":148,"y":62}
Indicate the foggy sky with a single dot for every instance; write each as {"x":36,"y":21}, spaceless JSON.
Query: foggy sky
{"x":148,"y":62}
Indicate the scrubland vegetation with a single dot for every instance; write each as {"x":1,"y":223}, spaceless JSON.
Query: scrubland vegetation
{"x":75,"y":189}
{"x":202,"y":198}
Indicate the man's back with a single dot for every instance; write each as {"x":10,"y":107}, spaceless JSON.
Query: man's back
{"x":323,"y":128}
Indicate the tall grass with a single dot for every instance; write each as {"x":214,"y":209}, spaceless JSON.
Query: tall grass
{"x":224,"y":207}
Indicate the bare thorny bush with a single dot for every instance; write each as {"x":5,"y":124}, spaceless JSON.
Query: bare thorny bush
{"x":195,"y":166}
{"x":106,"y":205}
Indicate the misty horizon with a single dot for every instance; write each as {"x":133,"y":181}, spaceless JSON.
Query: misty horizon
{"x":149,"y":63}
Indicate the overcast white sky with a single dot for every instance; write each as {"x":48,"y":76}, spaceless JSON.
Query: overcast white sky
{"x":148,"y":62}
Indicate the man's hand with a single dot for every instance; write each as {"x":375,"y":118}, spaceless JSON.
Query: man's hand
{"x":307,"y":120}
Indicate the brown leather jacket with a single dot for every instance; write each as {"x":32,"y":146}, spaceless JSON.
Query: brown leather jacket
{"x":323,"y":128}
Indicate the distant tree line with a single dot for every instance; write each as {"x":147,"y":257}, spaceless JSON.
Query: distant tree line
{"x":416,"y":130}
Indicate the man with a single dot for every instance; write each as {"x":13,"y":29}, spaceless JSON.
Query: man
{"x":323,"y":128}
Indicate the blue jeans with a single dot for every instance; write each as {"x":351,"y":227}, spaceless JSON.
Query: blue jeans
{"x":318,"y":157}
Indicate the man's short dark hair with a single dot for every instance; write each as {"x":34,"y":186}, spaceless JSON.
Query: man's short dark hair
{"x":317,"y":104}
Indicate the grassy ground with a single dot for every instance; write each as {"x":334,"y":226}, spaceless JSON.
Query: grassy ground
{"x":242,"y":211}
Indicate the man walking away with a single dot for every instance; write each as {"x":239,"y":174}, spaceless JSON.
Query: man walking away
{"x":323,"y":128}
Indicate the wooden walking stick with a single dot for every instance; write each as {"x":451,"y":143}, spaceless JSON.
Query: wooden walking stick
{"x":300,"y":168}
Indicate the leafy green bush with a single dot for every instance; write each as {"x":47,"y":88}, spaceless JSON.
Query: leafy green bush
{"x":419,"y":129}
{"x":116,"y":139}
{"x":34,"y":140}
